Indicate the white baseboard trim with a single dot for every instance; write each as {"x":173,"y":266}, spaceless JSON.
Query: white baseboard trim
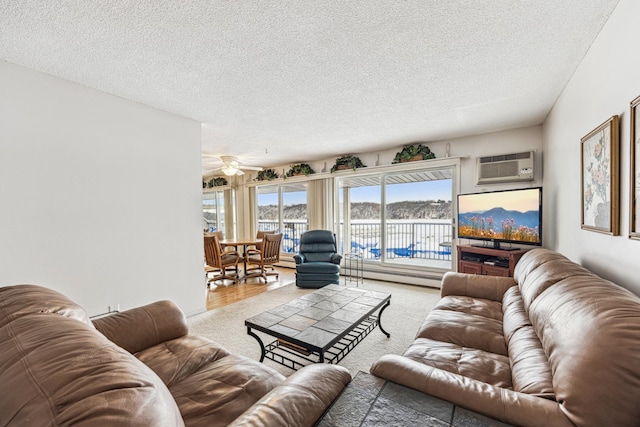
{"x":423,"y":277}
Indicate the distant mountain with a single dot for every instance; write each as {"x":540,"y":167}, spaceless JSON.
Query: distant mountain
{"x":528,"y":219}
{"x":429,"y":209}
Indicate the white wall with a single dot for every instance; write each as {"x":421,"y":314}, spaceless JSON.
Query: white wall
{"x":100,"y":197}
{"x":469,"y":148}
{"x":505,"y":142}
{"x":604,"y":84}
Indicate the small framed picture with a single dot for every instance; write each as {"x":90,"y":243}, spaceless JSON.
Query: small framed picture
{"x":600,"y":178}
{"x":634,"y":181}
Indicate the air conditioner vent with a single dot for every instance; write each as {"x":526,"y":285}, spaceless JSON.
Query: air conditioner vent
{"x":506,"y":168}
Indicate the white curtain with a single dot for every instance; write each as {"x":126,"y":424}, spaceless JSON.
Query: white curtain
{"x":253,"y":211}
{"x":320,"y":204}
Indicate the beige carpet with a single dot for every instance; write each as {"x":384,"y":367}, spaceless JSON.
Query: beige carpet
{"x":409,"y":306}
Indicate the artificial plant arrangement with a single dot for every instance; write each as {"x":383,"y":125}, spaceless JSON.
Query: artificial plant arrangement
{"x":347,"y":162}
{"x":412,"y":153}
{"x":267,"y":175}
{"x":301,"y":169}
{"x":217,"y":182}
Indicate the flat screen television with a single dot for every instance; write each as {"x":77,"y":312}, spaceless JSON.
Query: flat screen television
{"x":507,"y":216}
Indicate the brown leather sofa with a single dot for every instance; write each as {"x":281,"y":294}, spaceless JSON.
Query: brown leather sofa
{"x":555,"y":346}
{"x":139,"y":368}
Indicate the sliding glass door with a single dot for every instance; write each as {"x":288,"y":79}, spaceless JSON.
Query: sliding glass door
{"x":400,"y":218}
{"x":418,"y":218}
{"x":213,"y":211}
{"x":283,"y":208}
{"x":361,"y":216}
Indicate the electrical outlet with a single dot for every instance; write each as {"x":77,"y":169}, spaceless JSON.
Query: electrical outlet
{"x":112,"y":308}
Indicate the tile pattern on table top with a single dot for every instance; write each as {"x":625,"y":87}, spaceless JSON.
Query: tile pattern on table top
{"x":319,"y":317}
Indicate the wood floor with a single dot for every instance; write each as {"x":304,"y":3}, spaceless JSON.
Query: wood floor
{"x":219,"y":295}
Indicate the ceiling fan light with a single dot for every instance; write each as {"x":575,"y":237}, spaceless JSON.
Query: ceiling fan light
{"x":229,"y":170}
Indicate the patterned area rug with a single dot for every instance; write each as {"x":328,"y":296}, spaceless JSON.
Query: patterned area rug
{"x":409,"y":307}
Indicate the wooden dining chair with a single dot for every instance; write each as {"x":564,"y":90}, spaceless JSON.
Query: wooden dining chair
{"x":260,"y":261}
{"x":224,"y":265}
{"x":218,"y":234}
{"x":261,"y":234}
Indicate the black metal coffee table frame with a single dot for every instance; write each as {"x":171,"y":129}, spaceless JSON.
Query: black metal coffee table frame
{"x":294,"y":353}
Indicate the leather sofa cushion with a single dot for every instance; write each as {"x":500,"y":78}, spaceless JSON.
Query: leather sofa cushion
{"x":530,"y":372}
{"x":57,"y":370}
{"x":299,"y":400}
{"x":480,"y":365}
{"x":477,"y":328}
{"x":475,"y":286}
{"x":535,"y":274}
{"x":177,"y":359}
{"x":206,"y":381}
{"x":143,"y":327}
{"x":590,"y":330}
{"x":540,"y":280}
{"x":318,"y":268}
{"x":469,"y":305}
{"x":23,"y":300}
{"x":530,"y":263}
{"x":514,"y":315}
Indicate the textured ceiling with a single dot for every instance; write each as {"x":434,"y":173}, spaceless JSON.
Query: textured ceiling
{"x":307,"y":80}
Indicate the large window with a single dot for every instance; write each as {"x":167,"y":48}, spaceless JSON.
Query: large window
{"x":361,"y":216}
{"x":398,"y":218}
{"x":283,"y":208}
{"x":213,"y":211}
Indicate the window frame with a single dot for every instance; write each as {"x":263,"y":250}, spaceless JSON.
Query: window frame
{"x":452,"y":164}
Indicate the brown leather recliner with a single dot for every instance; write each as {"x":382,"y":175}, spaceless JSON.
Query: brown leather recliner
{"x":139,"y":368}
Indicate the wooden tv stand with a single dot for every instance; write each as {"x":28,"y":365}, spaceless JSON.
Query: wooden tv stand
{"x":488,"y":261}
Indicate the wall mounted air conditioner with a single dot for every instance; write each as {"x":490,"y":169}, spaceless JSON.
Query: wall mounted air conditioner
{"x":506,"y":168}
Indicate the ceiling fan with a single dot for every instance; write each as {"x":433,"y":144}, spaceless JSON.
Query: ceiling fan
{"x":231,"y":166}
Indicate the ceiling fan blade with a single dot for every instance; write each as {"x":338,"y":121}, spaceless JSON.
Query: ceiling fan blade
{"x":230,"y":162}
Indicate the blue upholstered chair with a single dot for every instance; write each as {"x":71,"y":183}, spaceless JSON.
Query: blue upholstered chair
{"x":317,"y":261}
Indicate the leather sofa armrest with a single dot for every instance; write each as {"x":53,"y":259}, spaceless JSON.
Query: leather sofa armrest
{"x":501,"y":403}
{"x":476,"y":286}
{"x":336,"y":258}
{"x":300,"y":400}
{"x":143,"y":327}
{"x":299,"y":258}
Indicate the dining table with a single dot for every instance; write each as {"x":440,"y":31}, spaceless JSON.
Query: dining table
{"x":244,"y":243}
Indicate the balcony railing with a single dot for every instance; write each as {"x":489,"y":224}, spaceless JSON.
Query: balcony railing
{"x":291,"y":234}
{"x":428,"y":240}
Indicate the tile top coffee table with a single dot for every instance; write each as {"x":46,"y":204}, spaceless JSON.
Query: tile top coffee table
{"x":322,"y":326}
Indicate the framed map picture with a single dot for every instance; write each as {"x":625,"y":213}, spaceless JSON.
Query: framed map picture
{"x":634,"y":200}
{"x":600,"y":178}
